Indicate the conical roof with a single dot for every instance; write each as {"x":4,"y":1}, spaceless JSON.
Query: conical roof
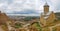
{"x":46,"y":4}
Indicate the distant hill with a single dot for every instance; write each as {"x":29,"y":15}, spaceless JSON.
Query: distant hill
{"x":58,"y":15}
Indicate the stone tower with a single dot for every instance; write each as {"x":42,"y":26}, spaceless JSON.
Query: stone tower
{"x":46,"y":8}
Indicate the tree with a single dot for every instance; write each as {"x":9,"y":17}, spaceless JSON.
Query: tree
{"x":17,"y":25}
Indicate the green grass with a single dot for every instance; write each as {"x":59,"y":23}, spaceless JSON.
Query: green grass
{"x":54,"y":29}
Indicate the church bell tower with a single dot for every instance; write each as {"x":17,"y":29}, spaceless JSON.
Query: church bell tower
{"x":46,"y":8}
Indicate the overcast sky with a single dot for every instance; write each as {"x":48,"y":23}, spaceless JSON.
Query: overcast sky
{"x":12,"y":6}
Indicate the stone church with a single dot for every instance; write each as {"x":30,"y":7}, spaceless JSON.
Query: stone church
{"x":47,"y":17}
{"x":48,"y":20}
